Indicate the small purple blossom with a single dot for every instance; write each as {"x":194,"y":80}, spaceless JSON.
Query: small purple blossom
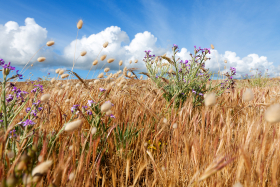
{"x":28,"y":122}
{"x":90,"y":102}
{"x":102,"y":89}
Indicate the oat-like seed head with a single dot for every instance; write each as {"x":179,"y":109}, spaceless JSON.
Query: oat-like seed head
{"x":45,"y":97}
{"x":63,"y":76}
{"x":106,"y":106}
{"x":50,"y":43}
{"x":93,"y":130}
{"x":103,"y":57}
{"x":42,"y":168}
{"x":141,"y":77}
{"x":31,"y":65}
{"x":53,"y":80}
{"x":70,"y":127}
{"x":248,"y":95}
{"x":136,"y":61}
{"x":71,"y":176}
{"x":57,"y":71}
{"x":170,"y":71}
{"x":80,"y":24}
{"x":96,"y":81}
{"x":175,"y":126}
{"x":212,"y":46}
{"x":238,"y":184}
{"x":272,"y":113}
{"x":83,"y":53}
{"x":105,"y":44}
{"x":225,"y":61}
{"x":129,"y":74}
{"x":95,"y":62}
{"x":120,"y":63}
{"x":106,"y":70}
{"x":210,"y":99}
{"x":41,"y":59}
{"x":130,"y":61}
{"x":101,"y":75}
{"x":165,"y":120}
{"x":110,"y":60}
{"x":109,"y":112}
{"x":61,"y":71}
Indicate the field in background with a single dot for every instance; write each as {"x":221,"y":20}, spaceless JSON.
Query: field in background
{"x":215,"y":146}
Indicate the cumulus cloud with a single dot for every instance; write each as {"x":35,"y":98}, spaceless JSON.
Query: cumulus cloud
{"x":243,"y":65}
{"x":20,"y":43}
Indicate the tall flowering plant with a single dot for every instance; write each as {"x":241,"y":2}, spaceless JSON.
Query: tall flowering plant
{"x":180,"y":80}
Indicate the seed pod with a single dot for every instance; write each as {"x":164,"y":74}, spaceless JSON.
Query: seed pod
{"x":106,"y":69}
{"x":61,"y":71}
{"x":110,"y":60}
{"x":106,"y":106}
{"x":210,"y":99}
{"x":45,"y":97}
{"x":96,"y":81}
{"x":57,"y":71}
{"x":248,"y":95}
{"x":41,"y":59}
{"x":64,"y":76}
{"x":93,"y":130}
{"x":83,"y":53}
{"x":53,"y":80}
{"x":95,"y":62}
{"x":101,"y":75}
{"x":73,"y":125}
{"x":120,"y":63}
{"x":80,"y":24}
{"x":50,"y":43}
{"x":103,"y":57}
{"x":272,"y":113}
{"x":105,"y":44}
{"x":42,"y":168}
{"x":212,"y":46}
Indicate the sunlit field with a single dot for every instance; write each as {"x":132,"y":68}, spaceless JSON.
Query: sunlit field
{"x":172,"y":125}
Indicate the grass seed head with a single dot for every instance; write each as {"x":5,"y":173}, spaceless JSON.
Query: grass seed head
{"x":272,"y":113}
{"x":212,"y":46}
{"x":136,"y":61}
{"x":61,"y":71}
{"x":70,"y":127}
{"x":175,"y":126}
{"x":129,"y":74}
{"x":103,"y":57}
{"x":105,"y":44}
{"x":93,"y":130}
{"x":106,"y":69}
{"x":210,"y":99}
{"x":50,"y":43}
{"x":41,"y":59}
{"x":106,"y":106}
{"x":80,"y":24}
{"x":96,"y":81}
{"x":83,"y":53}
{"x":225,"y":61}
{"x":95,"y":62}
{"x":53,"y":80}
{"x":238,"y":184}
{"x":71,"y":176}
{"x":130,"y":62}
{"x":42,"y":168}
{"x":101,"y":75}
{"x":248,"y":95}
{"x":63,"y":76}
{"x":120,"y":63}
{"x":57,"y":71}
{"x":109,"y":112}
{"x":110,"y":60}
{"x":45,"y":97}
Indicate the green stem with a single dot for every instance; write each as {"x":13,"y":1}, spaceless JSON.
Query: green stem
{"x":3,"y":100}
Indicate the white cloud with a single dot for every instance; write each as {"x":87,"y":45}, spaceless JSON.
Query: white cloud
{"x":243,"y":66}
{"x":20,"y":43}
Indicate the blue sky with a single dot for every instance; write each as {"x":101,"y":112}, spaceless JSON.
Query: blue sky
{"x":246,"y":33}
